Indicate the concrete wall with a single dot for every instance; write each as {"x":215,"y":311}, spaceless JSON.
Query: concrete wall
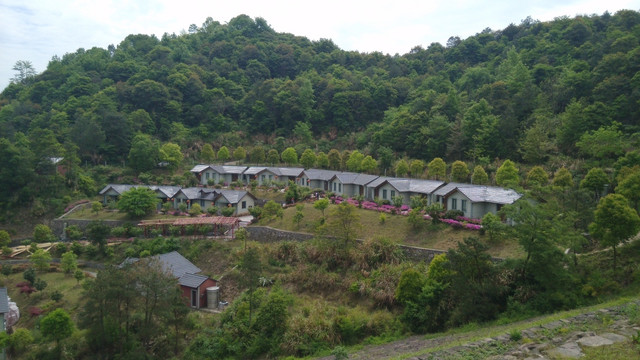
{"x":58,"y":225}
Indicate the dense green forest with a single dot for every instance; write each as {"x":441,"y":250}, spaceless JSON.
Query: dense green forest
{"x":537,"y":93}
{"x":548,"y":108}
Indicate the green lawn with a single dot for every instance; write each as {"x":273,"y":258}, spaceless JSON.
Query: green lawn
{"x":397,"y":228}
{"x":56,"y":281}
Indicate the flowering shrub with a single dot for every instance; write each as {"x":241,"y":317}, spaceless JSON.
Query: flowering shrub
{"x":461,"y":225}
{"x":469,"y":220}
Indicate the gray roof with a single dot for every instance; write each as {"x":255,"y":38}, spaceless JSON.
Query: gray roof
{"x":229,"y":169}
{"x":119,"y":188}
{"x":220,"y":169}
{"x":355,"y":178}
{"x":409,"y":185}
{"x":287,"y":171}
{"x":232,"y":196}
{"x":192,"y":193}
{"x":253,"y":170}
{"x":319,"y":174}
{"x":199,"y":168}
{"x":377,"y":182}
{"x":192,"y":280}
{"x":489,"y":194}
{"x":4,"y":301}
{"x":176,"y":264}
{"x":424,"y":186}
{"x":446,"y":188}
{"x":168,"y":191}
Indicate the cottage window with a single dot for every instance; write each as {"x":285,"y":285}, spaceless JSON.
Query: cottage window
{"x":339,"y":187}
{"x":454,"y":204}
{"x":244,"y":204}
{"x":384,"y":193}
{"x":393,"y":194}
{"x":206,"y":175}
{"x":334,"y":186}
{"x":263,"y":177}
{"x":464,"y":205}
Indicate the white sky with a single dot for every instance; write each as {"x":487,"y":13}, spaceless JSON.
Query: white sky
{"x":36,"y":30}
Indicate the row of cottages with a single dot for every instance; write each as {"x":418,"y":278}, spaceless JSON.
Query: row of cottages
{"x":474,"y":200}
{"x":224,"y":174}
{"x":240,"y":200}
{"x":199,"y":290}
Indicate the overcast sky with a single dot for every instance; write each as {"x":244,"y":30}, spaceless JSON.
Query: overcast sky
{"x":36,"y":30}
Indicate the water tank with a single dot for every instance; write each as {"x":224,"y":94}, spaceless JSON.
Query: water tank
{"x":212,"y":297}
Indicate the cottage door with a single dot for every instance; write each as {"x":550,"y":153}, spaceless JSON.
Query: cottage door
{"x":194,"y":298}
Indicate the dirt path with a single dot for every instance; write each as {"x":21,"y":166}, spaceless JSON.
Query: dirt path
{"x":539,"y":337}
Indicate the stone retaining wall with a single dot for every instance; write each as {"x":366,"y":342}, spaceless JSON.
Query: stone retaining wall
{"x":58,"y":225}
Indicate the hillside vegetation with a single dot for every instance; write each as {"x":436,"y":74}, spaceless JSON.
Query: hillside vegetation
{"x":559,"y":93}
{"x":548,"y":109}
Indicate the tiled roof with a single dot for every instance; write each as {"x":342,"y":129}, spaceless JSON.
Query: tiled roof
{"x":377,"y":182}
{"x":424,"y":186}
{"x":287,"y":171}
{"x":355,"y":178}
{"x":232,"y":196}
{"x":119,"y":188}
{"x":176,"y":264}
{"x":408,"y":185}
{"x":446,"y":188}
{"x":168,"y":191}
{"x":199,"y":168}
{"x":4,"y":301}
{"x":490,"y":194}
{"x":319,"y":174}
{"x":229,"y":169}
{"x":253,"y":170}
{"x":192,"y":280}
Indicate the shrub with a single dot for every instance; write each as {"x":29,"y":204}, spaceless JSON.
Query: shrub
{"x":42,"y":233}
{"x":228,"y":211}
{"x":515,"y":335}
{"x":382,"y":218}
{"x":195,"y":210}
{"x":213,"y":210}
{"x":453,"y":214}
{"x":73,"y":232}
{"x":167,"y":206}
{"x":118,"y":232}
{"x":56,"y":296}
{"x":182,"y":207}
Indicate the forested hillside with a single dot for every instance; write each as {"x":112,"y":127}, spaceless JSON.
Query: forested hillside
{"x":537,"y":93}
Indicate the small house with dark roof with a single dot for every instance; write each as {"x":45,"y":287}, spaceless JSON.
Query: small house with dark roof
{"x":317,"y":178}
{"x":387,"y":188}
{"x":265,"y":175}
{"x":112,"y":192}
{"x":218,"y":174}
{"x":350,"y":184}
{"x":475,"y":201}
{"x":240,"y":200}
{"x":192,"y":284}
